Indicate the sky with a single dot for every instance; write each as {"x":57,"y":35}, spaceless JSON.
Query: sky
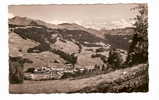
{"x":98,"y":16}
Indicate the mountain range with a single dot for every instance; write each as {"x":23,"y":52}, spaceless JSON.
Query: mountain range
{"x":56,"y":45}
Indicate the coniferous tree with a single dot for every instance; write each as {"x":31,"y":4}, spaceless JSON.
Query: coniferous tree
{"x":138,"y":50}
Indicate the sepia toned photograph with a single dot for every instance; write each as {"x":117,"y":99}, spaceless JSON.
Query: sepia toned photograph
{"x":78,"y":48}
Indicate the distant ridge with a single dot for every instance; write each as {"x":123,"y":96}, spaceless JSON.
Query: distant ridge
{"x":17,"y":20}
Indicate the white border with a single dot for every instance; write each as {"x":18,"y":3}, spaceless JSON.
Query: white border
{"x":153,"y":52}
{"x":73,"y":1}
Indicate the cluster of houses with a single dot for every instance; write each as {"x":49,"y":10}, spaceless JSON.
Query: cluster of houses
{"x":50,"y":73}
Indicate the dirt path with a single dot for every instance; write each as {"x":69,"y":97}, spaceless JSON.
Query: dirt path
{"x":128,"y":80}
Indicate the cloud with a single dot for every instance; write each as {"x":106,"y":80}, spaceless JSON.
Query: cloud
{"x":105,"y":24}
{"x":77,"y":22}
{"x":58,"y":21}
{"x":121,"y":23}
{"x":10,"y":15}
{"x":64,"y":21}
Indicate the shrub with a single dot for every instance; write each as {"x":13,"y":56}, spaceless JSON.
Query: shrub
{"x":15,"y":72}
{"x":114,"y":59}
{"x":55,"y":61}
{"x":16,"y":69}
{"x":70,"y":58}
{"x":102,"y":57}
{"x":100,"y":50}
{"x":30,"y":70}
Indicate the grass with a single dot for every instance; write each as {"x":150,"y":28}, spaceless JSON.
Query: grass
{"x":134,"y":79}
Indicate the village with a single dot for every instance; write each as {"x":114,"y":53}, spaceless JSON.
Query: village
{"x":54,"y":73}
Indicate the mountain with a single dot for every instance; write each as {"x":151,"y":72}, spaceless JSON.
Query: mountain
{"x":23,"y":21}
{"x":57,"y":45}
{"x":119,"y":31}
{"x":53,"y":45}
{"x":74,"y":26}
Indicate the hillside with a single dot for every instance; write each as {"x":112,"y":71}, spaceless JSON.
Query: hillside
{"x":131,"y":79}
{"x":123,"y":35}
{"x":35,"y":39}
{"x":119,"y":31}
